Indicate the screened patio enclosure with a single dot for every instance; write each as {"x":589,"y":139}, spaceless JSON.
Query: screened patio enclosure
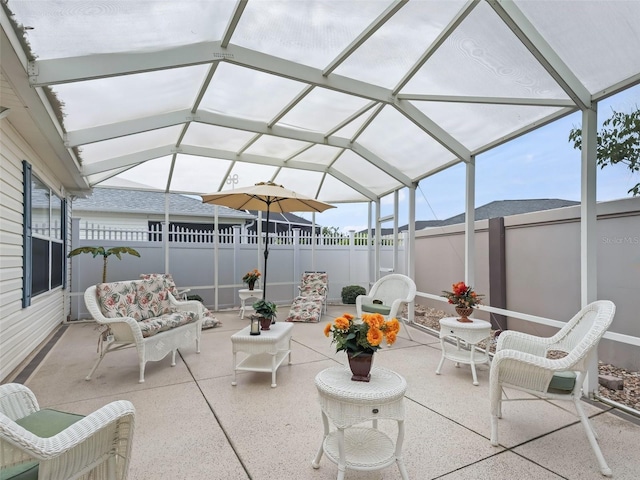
{"x":344,"y":101}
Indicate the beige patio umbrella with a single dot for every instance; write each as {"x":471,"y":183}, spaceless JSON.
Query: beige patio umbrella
{"x":269,"y":197}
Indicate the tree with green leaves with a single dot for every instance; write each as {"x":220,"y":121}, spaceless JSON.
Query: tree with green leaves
{"x":95,"y":251}
{"x":618,"y":142}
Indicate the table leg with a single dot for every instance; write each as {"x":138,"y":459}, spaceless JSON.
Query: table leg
{"x":233,"y":382}
{"x":273,"y":371}
{"x":316,"y":461}
{"x":473,"y":365}
{"x":241,"y":313}
{"x":441,"y":363}
{"x":342,"y":461}
{"x":399,"y":442}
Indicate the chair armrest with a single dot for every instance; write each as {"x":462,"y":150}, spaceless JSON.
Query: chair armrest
{"x":395,"y":307}
{"x":76,"y":434}
{"x":523,"y":342}
{"x":187,"y":305}
{"x":182,"y":293}
{"x":360,"y":299}
{"x":17,"y":401}
{"x":527,"y":370}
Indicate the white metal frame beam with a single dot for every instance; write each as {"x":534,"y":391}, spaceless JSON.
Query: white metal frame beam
{"x":524,"y":30}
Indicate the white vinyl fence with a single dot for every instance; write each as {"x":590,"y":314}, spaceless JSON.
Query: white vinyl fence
{"x":212,"y":264}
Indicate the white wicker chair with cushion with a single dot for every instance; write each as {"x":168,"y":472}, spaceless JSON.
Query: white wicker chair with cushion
{"x":143,"y":314}
{"x":521,"y":363}
{"x":386,"y":297}
{"x":48,"y":444}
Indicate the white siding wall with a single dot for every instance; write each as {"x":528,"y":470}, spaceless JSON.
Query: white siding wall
{"x":21,"y":330}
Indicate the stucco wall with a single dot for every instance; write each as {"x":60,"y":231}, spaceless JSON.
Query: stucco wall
{"x":543,"y":268}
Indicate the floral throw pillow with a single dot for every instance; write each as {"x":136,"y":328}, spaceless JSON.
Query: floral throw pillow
{"x":118,"y":299}
{"x":153,"y":297}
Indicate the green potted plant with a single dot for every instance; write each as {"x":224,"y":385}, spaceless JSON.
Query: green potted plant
{"x":350,"y":292}
{"x":361,"y":338}
{"x":266,"y":311}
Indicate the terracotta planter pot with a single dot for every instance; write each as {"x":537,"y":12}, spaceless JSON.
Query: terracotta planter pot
{"x":360,"y":365}
{"x":265,"y":323}
{"x":464,"y":313}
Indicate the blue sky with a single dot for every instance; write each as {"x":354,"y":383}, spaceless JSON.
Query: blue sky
{"x":541,"y":164}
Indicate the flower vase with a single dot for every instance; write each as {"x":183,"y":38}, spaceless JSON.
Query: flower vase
{"x":252,"y":283}
{"x":360,"y":365}
{"x":464,"y":312}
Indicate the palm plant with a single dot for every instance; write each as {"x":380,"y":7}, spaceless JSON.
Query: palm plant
{"x":106,"y":253}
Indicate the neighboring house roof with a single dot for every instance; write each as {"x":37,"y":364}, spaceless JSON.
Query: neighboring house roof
{"x":288,"y":218}
{"x":505,"y":208}
{"x":135,"y":201}
{"x":498,"y":208}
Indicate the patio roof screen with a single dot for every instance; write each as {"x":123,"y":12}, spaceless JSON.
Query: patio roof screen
{"x":343,"y":101}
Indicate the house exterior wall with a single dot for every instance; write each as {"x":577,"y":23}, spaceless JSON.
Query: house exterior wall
{"x":21,"y":329}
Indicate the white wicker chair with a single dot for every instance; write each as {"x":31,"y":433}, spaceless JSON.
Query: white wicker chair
{"x":124,"y":332}
{"x":95,"y":447}
{"x":393,"y":291}
{"x":521,"y":363}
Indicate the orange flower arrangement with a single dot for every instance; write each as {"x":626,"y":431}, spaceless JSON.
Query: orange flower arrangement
{"x":365,"y":335}
{"x":462,"y":296}
{"x":251,"y":276}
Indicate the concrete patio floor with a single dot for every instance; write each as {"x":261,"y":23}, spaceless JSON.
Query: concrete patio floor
{"x":192,"y":424}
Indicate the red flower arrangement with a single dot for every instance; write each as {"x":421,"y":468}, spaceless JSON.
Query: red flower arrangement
{"x":463,"y":296}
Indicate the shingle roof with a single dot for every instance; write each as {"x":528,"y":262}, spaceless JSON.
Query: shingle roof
{"x":498,"y":208}
{"x":504,"y":208}
{"x":284,"y":218}
{"x":135,"y":201}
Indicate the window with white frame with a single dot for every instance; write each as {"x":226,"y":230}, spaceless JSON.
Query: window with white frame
{"x":44,"y":233}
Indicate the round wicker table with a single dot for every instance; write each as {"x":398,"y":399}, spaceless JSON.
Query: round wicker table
{"x":347,"y":404}
{"x":467,"y":335}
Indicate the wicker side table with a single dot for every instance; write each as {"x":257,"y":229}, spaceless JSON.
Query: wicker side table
{"x":347,"y":404}
{"x":469,"y":334}
{"x":245,"y":294}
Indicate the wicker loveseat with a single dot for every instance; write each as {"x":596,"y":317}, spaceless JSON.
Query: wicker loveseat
{"x":144,"y":314}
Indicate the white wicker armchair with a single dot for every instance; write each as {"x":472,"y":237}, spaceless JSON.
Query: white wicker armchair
{"x":393,"y":291}
{"x":521,"y":363}
{"x":95,"y":447}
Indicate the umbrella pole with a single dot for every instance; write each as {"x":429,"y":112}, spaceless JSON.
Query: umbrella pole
{"x":266,"y":256}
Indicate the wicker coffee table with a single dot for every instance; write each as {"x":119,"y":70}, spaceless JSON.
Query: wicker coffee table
{"x":347,"y":404}
{"x":266,"y":351}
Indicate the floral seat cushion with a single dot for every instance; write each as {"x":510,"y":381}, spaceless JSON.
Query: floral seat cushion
{"x":151,"y":326}
{"x":146,"y":301}
{"x":119,"y":299}
{"x":314,"y":283}
{"x":306,"y":309}
{"x":209,"y":320}
{"x":153,"y":298}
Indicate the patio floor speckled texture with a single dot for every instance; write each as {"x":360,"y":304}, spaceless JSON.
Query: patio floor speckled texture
{"x":191,"y":423}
